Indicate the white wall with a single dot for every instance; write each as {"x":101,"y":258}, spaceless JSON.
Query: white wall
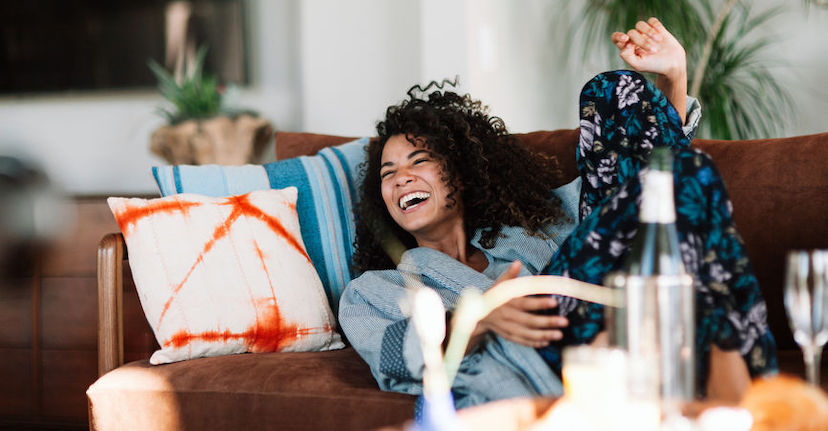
{"x":332,"y":66}
{"x":514,"y":66}
{"x":86,"y":143}
{"x":356,"y":55}
{"x":444,"y":28}
{"x":803,"y":56}
{"x":500,"y":52}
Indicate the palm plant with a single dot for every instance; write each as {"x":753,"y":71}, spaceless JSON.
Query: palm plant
{"x":729,"y":70}
{"x":741,"y":96}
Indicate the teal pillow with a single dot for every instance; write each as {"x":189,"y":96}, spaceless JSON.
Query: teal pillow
{"x":328,"y":185}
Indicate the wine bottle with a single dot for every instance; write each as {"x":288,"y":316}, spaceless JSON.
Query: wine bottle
{"x":655,"y":248}
{"x":657,"y":325}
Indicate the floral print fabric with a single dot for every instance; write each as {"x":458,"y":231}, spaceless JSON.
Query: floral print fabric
{"x":623,"y":116}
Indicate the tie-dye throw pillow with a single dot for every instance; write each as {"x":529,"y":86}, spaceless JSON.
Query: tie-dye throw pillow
{"x":328,"y":183}
{"x":219,"y":276}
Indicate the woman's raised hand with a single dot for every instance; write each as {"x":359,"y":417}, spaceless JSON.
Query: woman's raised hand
{"x":649,"y":47}
{"x":515,"y":320}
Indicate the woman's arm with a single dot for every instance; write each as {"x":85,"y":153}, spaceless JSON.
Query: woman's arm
{"x":649,"y":47}
{"x":728,"y":378}
{"x":370,"y":317}
{"x":517,"y":320}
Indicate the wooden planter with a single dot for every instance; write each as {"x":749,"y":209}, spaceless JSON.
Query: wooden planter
{"x":218,"y":140}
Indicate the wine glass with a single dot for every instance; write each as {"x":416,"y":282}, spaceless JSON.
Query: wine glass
{"x":806,"y":300}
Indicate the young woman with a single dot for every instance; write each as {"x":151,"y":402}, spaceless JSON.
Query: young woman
{"x":474,"y":207}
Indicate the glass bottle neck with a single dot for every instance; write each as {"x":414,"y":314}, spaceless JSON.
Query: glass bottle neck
{"x":657,"y":198}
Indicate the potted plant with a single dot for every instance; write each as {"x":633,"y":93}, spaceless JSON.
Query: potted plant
{"x":199,"y":129}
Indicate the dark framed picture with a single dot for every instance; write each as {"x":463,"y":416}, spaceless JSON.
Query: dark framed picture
{"x":81,"y":45}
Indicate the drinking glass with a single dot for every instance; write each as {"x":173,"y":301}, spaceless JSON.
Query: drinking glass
{"x":806,"y":300}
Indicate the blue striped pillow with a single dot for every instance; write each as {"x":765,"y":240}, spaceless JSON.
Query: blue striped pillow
{"x":328,"y":183}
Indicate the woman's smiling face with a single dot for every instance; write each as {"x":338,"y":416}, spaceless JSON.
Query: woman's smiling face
{"x":413,"y":189}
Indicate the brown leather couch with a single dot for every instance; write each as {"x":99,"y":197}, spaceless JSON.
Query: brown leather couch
{"x":779,"y":190}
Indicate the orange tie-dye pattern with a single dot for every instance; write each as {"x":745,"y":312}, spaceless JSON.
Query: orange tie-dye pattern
{"x":270,"y":332}
{"x":220,"y":232}
{"x":261,"y":255}
{"x":243,"y":203}
{"x":130,"y":216}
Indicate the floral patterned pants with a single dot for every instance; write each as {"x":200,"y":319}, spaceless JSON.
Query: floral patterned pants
{"x":623,"y":116}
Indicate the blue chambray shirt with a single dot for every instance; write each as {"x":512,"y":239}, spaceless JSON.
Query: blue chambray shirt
{"x":370,"y":315}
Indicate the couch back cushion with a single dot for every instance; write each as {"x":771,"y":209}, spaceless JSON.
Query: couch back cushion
{"x":779,"y":191}
{"x":778,"y":187}
{"x":295,"y":144}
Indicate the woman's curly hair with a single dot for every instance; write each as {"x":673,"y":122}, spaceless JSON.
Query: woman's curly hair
{"x":499,"y":180}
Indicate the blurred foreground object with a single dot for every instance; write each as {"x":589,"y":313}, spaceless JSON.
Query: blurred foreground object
{"x":30,"y":216}
{"x":428,"y":315}
{"x":785,"y":403}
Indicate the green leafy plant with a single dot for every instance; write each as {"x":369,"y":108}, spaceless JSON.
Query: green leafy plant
{"x":737,"y":87}
{"x":194,"y":95}
{"x":728,"y":64}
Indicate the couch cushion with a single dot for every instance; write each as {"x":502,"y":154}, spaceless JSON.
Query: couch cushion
{"x":327,"y":184}
{"x":779,"y":190}
{"x":218,"y":276}
{"x":559,"y":143}
{"x":284,"y":391}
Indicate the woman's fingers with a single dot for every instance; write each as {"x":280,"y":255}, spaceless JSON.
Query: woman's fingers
{"x":650,"y":47}
{"x":629,"y":55}
{"x":516,"y":320}
{"x":620,"y":39}
{"x":648,"y":30}
{"x":536,"y":321}
{"x":529,"y":337}
{"x":521,"y":311}
{"x":646,"y":35}
{"x":641,"y":40}
{"x":534,"y":303}
{"x":657,"y":25}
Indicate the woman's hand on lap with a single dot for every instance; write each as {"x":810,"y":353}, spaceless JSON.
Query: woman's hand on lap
{"x":516,"y":320}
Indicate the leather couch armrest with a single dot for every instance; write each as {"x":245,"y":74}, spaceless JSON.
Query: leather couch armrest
{"x":111,"y":256}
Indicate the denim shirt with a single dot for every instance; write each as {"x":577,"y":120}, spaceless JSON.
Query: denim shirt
{"x":371,"y":317}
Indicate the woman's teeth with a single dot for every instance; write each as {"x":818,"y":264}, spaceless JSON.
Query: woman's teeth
{"x":411,"y":199}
